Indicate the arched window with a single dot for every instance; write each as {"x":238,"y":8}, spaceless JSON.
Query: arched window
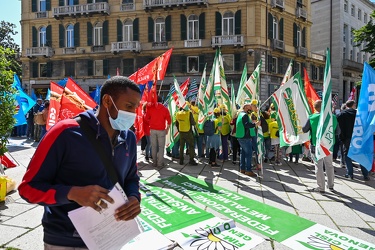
{"x":228,"y":24}
{"x":42,"y":36}
{"x":160,"y":29}
{"x":193,"y":27}
{"x":70,"y":36}
{"x":98,"y":34}
{"x":275,"y":28}
{"x":128,"y":30}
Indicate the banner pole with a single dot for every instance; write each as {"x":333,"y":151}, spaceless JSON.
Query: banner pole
{"x":160,"y":86}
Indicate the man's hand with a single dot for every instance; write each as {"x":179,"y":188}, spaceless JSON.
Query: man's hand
{"x":129,"y":210}
{"x":90,"y":196}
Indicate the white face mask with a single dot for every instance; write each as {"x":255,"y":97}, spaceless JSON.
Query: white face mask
{"x":124,"y":119}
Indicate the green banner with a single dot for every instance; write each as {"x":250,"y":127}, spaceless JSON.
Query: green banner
{"x":167,"y":213}
{"x":267,"y":220}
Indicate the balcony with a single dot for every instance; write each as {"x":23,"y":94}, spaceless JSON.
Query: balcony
{"x":160,"y":45}
{"x":227,"y":1}
{"x":149,"y":4}
{"x":98,"y":48}
{"x":353,"y":65}
{"x":134,"y":46}
{"x":301,"y":13}
{"x":39,"y":51}
{"x":193,"y":43}
{"x":67,"y":51}
{"x":83,"y":9}
{"x":278,"y":44}
{"x":127,"y":7}
{"x":277,"y":4}
{"x":41,"y":14}
{"x":235,"y":40}
{"x":301,"y":51}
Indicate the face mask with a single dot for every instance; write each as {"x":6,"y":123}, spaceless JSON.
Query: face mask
{"x":123,"y":121}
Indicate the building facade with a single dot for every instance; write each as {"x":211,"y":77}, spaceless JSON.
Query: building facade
{"x":89,"y":40}
{"x":333,"y":25}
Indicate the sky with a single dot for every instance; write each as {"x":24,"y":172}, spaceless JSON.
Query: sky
{"x":10,"y":11}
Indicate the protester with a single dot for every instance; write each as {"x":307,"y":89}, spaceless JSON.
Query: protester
{"x":235,"y":143}
{"x":275,"y":141}
{"x":37,"y":109}
{"x":224,"y":132}
{"x":266,"y":136}
{"x":159,"y":120}
{"x":346,"y":121}
{"x":147,"y":133}
{"x":245,"y":131}
{"x":66,"y":171}
{"x":312,"y":126}
{"x":213,"y":139}
{"x":45,"y":118}
{"x":296,"y":151}
{"x":30,"y":124}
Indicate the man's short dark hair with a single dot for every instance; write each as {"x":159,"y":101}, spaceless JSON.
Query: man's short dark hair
{"x":350,"y":103}
{"x":117,"y":85}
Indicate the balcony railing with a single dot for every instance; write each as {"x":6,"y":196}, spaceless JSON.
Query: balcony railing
{"x":235,"y":40}
{"x":98,"y":48}
{"x":69,"y":51}
{"x":170,"y":3}
{"x":227,"y":1}
{"x":127,"y":6}
{"x":300,"y":12}
{"x":193,"y":43}
{"x":301,"y":51}
{"x":134,"y":46}
{"x":278,"y":44}
{"x":160,"y":45}
{"x":83,"y":9}
{"x":277,"y":4}
{"x":39,"y":51}
{"x":350,"y":64}
{"x":41,"y":14}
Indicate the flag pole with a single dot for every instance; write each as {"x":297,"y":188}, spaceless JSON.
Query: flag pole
{"x":160,"y":86}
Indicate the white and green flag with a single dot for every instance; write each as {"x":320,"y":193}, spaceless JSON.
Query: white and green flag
{"x":173,"y":134}
{"x":251,"y":87}
{"x":223,"y":83}
{"x":288,"y":73}
{"x":200,"y":101}
{"x":325,"y":132}
{"x":181,"y":102}
{"x":209,"y":94}
{"x":241,"y":95}
{"x":292,"y":109}
{"x":233,"y":101}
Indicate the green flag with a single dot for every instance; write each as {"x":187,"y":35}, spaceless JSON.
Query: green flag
{"x":252,"y":84}
{"x":240,"y":93}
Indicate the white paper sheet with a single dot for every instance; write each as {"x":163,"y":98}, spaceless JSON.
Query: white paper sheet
{"x":100,"y":231}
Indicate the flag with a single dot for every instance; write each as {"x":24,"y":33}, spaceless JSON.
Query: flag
{"x":56,"y":92}
{"x":117,"y":71}
{"x":181,"y":102}
{"x":173,"y":134}
{"x":209,"y":95}
{"x":33,"y":95}
{"x":62,"y":82}
{"x":251,"y":87}
{"x":155,"y":70}
{"x":335,"y":99}
{"x":260,"y":144}
{"x":223,"y":83}
{"x":17,"y":83}
{"x":233,"y":101}
{"x":193,"y":90}
{"x":23,"y":102}
{"x":74,"y":100}
{"x":325,"y":133}
{"x":310,"y":92}
{"x":200,"y":101}
{"x":48,"y":96}
{"x":6,"y":161}
{"x":352,"y":94}
{"x":96,"y":95}
{"x":292,"y":109}
{"x":19,"y":114}
{"x":288,"y":73}
{"x":361,"y":146}
{"x":240,"y":93}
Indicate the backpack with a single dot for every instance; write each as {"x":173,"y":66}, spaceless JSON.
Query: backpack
{"x":209,"y":127}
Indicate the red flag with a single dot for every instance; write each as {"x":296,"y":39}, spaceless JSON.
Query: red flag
{"x":74,"y":101}
{"x":155,"y":70}
{"x":7,"y":161}
{"x":311,"y":94}
{"x":138,"y":123}
{"x":352,"y":94}
{"x":54,"y":104}
{"x":117,"y":71}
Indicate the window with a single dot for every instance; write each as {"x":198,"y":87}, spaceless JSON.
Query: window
{"x":192,"y":63}
{"x":359,"y":14}
{"x":351,"y":55}
{"x":228,"y":24}
{"x":358,"y":57}
{"x":365,"y":17}
{"x":346,"y":5}
{"x":69,"y":2}
{"x":42,"y":36}
{"x":345,"y":32}
{"x":352,"y":36}
{"x":344,"y":53}
{"x":128,"y":31}
{"x":363,"y":58}
{"x":193,"y":27}
{"x":42,"y":69}
{"x":98,"y":68}
{"x":273,"y":65}
{"x":98,"y":34}
{"x":228,"y":62}
{"x":298,"y":36}
{"x":315,"y":72}
{"x":159,"y":29}
{"x":69,"y":68}
{"x":299,"y":4}
{"x":352,"y":10}
{"x":42,"y":5}
{"x":128,"y":66}
{"x":275,"y":28}
{"x":70,"y":36}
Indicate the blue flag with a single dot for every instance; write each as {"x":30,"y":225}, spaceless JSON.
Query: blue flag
{"x":33,"y":95}
{"x":62,"y":82}
{"x":362,"y":144}
{"x":20,"y":115}
{"x":48,"y":94}
{"x":16,"y":83}
{"x":24,"y":101}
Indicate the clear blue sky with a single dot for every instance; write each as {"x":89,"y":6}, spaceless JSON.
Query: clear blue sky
{"x":10,"y":11}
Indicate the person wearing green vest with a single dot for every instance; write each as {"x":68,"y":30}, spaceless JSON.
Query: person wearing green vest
{"x":312,"y":126}
{"x":244,"y":134}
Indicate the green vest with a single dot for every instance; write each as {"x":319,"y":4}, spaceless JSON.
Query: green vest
{"x":240,"y":128}
{"x":314,"y":121}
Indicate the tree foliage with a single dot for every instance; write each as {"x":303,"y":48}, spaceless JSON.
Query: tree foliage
{"x":7,"y":31}
{"x":7,"y":108}
{"x":366,"y":36}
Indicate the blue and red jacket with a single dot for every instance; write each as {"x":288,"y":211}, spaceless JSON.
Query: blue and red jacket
{"x":66,"y":158}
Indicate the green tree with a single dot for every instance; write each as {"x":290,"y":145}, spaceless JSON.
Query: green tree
{"x":7,"y":31}
{"x":366,"y":36}
{"x":7,"y":109}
